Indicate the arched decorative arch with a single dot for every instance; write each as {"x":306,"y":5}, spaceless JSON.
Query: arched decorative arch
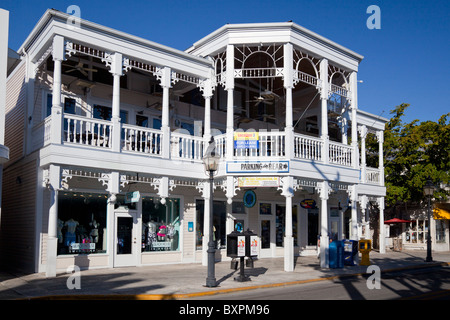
{"x":306,"y":76}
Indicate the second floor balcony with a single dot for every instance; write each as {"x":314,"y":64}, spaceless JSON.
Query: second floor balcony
{"x":96,"y":134}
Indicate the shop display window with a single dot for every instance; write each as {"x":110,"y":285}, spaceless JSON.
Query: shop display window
{"x":219,"y":223}
{"x":160,"y":224}
{"x":81,"y":223}
{"x":416,"y":231}
{"x":440,"y":231}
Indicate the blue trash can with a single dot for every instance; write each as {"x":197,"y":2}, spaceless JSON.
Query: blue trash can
{"x":336,"y":254}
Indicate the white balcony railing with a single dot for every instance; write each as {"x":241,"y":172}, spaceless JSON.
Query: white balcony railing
{"x":372,"y":176}
{"x":340,"y":154}
{"x":184,"y":146}
{"x":307,"y":148}
{"x":142,"y":140}
{"x":271,"y":144}
{"x":87,"y":131}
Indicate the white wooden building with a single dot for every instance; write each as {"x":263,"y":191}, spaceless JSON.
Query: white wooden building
{"x":94,"y":114}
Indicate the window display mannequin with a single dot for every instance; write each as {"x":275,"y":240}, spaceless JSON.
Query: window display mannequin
{"x":94,"y":231}
{"x":162,"y":232}
{"x":151,"y":233}
{"x":70,"y":233}
{"x":59,"y":230}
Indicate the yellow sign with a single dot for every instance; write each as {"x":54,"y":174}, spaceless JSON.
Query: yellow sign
{"x":246,"y":136}
{"x":258,"y":181}
{"x":246,"y":140}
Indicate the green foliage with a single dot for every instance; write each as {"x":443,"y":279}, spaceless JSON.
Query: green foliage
{"x":412,"y":152}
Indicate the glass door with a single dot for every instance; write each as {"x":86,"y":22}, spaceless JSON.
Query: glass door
{"x":126,"y":244}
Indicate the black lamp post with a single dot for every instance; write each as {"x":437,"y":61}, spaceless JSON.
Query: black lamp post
{"x":428,"y":189}
{"x":211,"y":162}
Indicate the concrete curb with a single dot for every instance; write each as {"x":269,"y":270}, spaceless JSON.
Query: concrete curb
{"x":222,"y":291}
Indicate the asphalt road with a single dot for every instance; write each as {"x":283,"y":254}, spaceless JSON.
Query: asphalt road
{"x":419,"y":284}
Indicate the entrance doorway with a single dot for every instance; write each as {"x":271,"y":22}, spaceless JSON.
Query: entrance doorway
{"x":313,"y":226}
{"x":125,"y":235}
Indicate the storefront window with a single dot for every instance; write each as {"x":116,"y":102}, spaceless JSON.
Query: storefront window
{"x":160,"y":224}
{"x":219,"y":223}
{"x":440,"y":231}
{"x":81,"y":223}
{"x":416,"y":231}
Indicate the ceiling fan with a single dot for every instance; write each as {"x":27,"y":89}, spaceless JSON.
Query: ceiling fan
{"x":80,"y":67}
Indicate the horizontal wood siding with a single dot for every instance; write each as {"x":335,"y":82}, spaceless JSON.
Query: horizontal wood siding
{"x":18,"y":215}
{"x":15,"y":113}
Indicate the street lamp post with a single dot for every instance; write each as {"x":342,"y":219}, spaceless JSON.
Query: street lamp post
{"x":428,"y":189}
{"x":211,"y":163}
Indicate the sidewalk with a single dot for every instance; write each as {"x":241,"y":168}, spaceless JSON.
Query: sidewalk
{"x":178,"y":281}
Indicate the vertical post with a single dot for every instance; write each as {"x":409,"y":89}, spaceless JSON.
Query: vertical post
{"x":165,"y":128}
{"x":324,"y":239}
{"x":211,"y":279}
{"x":288,"y":84}
{"x":57,"y":110}
{"x":230,"y":102}
{"x":353,"y":108}
{"x":382,"y":235}
{"x":363,"y":133}
{"x":207,"y":95}
{"x":116,"y":70}
{"x":324,"y":109}
{"x":429,"y":258}
{"x":288,"y":238}
{"x":354,"y":212}
{"x":52,"y":235}
{"x":380,"y":136}
{"x":206,"y":220}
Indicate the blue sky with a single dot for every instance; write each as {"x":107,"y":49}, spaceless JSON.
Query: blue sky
{"x":406,"y":61}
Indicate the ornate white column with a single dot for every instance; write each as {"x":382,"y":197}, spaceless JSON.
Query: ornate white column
{"x":230,"y":102}
{"x":353,"y":108}
{"x":116,"y":70}
{"x":288,"y":192}
{"x":363,"y":134}
{"x":53,"y":183}
{"x":288,"y":85}
{"x":353,"y":193}
{"x":380,"y":137}
{"x":382,"y":235}
{"x":324,"y":108}
{"x":324,"y":190}
{"x":166,"y":78}
{"x":207,"y":95}
{"x":363,"y":201}
{"x":57,"y":110}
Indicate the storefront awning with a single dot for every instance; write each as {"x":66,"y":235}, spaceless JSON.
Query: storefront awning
{"x":441,"y":211}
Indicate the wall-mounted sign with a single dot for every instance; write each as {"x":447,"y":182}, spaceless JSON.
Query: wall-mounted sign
{"x":258,"y":182}
{"x":249,"y":198}
{"x":246,"y":140}
{"x":308,"y":204}
{"x":258,"y":167}
{"x":131,"y":197}
{"x":190,"y":226}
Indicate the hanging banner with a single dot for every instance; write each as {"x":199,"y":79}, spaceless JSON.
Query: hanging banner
{"x":246,"y":140}
{"x":241,"y":246}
